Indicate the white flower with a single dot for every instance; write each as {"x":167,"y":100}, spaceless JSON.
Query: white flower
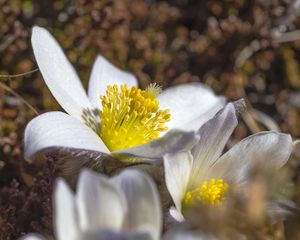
{"x":204,"y":174}
{"x":123,"y":207}
{"x":187,"y":107}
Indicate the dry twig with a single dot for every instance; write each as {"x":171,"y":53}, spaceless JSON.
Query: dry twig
{"x":10,"y":90}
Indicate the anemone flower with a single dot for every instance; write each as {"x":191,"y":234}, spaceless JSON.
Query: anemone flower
{"x":204,"y":175}
{"x":126,"y":206}
{"x":115,"y":117}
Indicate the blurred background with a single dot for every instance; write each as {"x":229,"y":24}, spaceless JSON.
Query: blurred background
{"x":240,"y":48}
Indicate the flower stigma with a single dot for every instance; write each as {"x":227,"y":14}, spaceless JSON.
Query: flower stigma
{"x":210,"y":193}
{"x":131,"y":116}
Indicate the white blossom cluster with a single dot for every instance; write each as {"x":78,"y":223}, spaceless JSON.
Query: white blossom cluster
{"x":128,"y":205}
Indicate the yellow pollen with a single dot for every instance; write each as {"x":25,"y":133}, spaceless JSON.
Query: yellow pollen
{"x":131,"y":117}
{"x":211,"y":193}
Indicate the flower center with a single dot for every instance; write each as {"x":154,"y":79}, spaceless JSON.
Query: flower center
{"x":131,"y":116}
{"x":211,"y":193}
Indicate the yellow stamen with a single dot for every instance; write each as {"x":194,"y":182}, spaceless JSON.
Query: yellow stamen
{"x":211,"y":193}
{"x":153,"y":90}
{"x":130,"y":117}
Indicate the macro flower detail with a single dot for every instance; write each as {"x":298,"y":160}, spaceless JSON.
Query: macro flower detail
{"x":115,"y":117}
{"x":126,"y":206}
{"x":211,"y":193}
{"x":130,"y":117}
{"x":204,"y":175}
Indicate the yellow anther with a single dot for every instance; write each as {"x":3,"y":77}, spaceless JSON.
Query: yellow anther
{"x":130,"y":117}
{"x":211,"y":193}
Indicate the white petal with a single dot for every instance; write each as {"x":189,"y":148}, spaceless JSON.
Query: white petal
{"x":173,"y":141}
{"x":214,"y":135}
{"x":176,"y":214}
{"x":182,"y":232}
{"x":177,"y":174}
{"x":190,"y":105}
{"x":271,"y":149}
{"x":108,"y":234}
{"x":65,"y":215}
{"x":144,"y":208}
{"x":58,"y":73}
{"x":57,"y":129}
{"x":105,"y":74}
{"x":100,"y":204}
{"x":32,"y":236}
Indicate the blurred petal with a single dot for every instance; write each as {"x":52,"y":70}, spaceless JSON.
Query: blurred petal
{"x":177,"y":215}
{"x":179,"y":233}
{"x":177,"y":172}
{"x":265,"y":119}
{"x":108,"y":234}
{"x":144,"y":208}
{"x":57,"y":129}
{"x":173,"y":141}
{"x":214,"y":135}
{"x":104,"y":74}
{"x":58,"y":73}
{"x":296,"y":148}
{"x":32,"y":236}
{"x":100,"y":204}
{"x":271,"y":149}
{"x":65,"y":216}
{"x":281,"y":209}
{"x":190,"y":105}
{"x":186,"y":232}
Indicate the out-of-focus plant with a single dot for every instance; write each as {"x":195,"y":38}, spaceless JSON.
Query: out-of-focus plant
{"x":126,"y":206}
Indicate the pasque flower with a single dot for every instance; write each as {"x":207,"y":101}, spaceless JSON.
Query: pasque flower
{"x":204,"y":175}
{"x":115,"y":117}
{"x":126,"y":206}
